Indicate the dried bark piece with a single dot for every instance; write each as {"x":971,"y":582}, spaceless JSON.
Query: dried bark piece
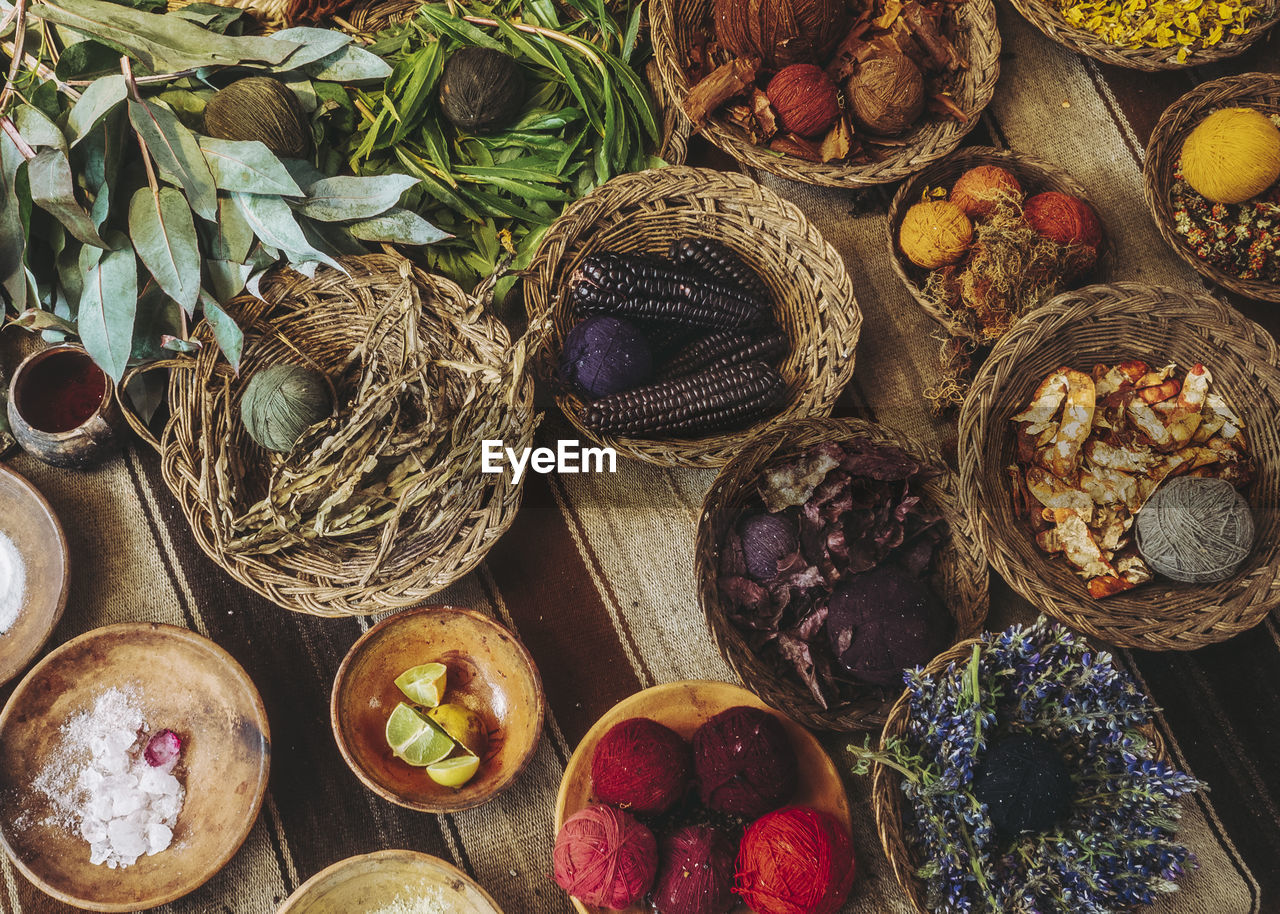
{"x":722,"y":84}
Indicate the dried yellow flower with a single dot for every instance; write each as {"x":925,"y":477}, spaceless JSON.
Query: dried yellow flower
{"x":1182,"y":24}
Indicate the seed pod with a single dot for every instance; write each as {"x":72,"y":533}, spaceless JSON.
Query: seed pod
{"x":481,"y":89}
{"x":706,"y":402}
{"x":259,"y":108}
{"x":718,"y":260}
{"x":726,"y":347}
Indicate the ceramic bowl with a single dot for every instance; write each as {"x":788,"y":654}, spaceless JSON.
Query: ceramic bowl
{"x":369,"y":882}
{"x":79,"y":447}
{"x":489,"y":671}
{"x":28,"y":521}
{"x":685,"y":706}
{"x":181,"y":681}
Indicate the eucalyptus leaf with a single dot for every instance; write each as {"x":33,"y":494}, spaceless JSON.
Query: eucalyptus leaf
{"x":177,"y":154}
{"x":397,"y":226}
{"x":13,"y":236}
{"x":53,"y":191}
{"x":247,"y":165}
{"x":230,"y":238}
{"x":350,"y":65}
{"x":313,"y":45}
{"x":342,"y":198}
{"x":177,"y":344}
{"x":37,"y":319}
{"x":164,"y":236}
{"x":273,"y":222}
{"x":158,"y":316}
{"x":226,"y":278}
{"x":228,"y":335}
{"x":303,"y":173}
{"x":188,"y":106}
{"x":109,"y":305}
{"x":87,"y":60}
{"x":210,"y":16}
{"x":37,"y":128}
{"x":98,"y":100}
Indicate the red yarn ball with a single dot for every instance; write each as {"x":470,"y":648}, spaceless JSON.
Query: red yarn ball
{"x":795,"y":861}
{"x":604,"y":857}
{"x":641,"y":765}
{"x":695,"y":875}
{"x":1062,"y":218}
{"x":745,"y":762}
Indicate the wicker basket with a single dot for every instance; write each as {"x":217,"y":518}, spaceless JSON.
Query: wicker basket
{"x":886,"y":790}
{"x":813,"y":294}
{"x":214,"y":470}
{"x":1253,"y":90}
{"x":1034,"y":175}
{"x":1046,"y":17}
{"x":963,"y":568}
{"x":677,"y":24}
{"x":1108,"y":324}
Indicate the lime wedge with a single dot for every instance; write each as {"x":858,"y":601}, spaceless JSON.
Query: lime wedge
{"x":423,"y":684}
{"x":415,"y":739}
{"x":454,"y":772}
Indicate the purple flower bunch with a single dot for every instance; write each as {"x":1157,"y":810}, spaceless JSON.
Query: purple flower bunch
{"x":1113,"y":849}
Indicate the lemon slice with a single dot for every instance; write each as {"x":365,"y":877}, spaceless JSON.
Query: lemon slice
{"x":464,"y":725}
{"x":454,"y":772}
{"x":423,"y":684}
{"x":415,"y":739}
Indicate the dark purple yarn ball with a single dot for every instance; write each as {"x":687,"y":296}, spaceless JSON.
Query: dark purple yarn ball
{"x":603,"y":355}
{"x":695,"y":872}
{"x":767,"y":538}
{"x":744,"y":762}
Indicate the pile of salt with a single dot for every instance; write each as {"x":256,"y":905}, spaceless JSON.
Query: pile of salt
{"x":13,"y":582}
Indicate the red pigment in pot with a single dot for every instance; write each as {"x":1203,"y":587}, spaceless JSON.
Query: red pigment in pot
{"x":61,"y":392}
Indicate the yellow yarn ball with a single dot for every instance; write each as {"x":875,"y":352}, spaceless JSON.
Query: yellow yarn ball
{"x":934,"y":234}
{"x":1232,"y":156}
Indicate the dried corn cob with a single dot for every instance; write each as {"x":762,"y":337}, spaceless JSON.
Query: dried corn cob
{"x":709,"y":401}
{"x":718,"y":260}
{"x":726,"y":347}
{"x":648,"y":290}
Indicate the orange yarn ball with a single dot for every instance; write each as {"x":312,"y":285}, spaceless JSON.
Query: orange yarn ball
{"x":796,"y":860}
{"x":1062,"y":218}
{"x":979,"y":189}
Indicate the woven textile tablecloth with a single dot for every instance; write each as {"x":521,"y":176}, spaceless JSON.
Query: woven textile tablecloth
{"x":596,"y":577}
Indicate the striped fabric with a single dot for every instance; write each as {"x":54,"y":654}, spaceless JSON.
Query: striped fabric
{"x":597,"y":578}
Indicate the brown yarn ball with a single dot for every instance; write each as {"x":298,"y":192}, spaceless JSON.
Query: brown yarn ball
{"x":934,"y":234}
{"x":1063,"y":218}
{"x":981,"y":188}
{"x":1196,"y":530}
{"x":780,"y":32}
{"x":745,"y":762}
{"x":886,"y":94}
{"x":604,"y":857}
{"x":642,"y":765}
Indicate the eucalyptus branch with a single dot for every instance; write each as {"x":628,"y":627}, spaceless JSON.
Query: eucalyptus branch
{"x":152,"y":80}
{"x":126,"y":68}
{"x":43,"y":70}
{"x":11,"y":130}
{"x":19,"y":44}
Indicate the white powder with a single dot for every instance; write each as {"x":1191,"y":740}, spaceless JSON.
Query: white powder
{"x":431,"y":901}
{"x":100,"y":785}
{"x":13,"y":582}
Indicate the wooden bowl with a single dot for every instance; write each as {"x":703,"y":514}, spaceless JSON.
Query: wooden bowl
{"x":27,"y":520}
{"x":183,"y":682}
{"x":684,"y":706}
{"x":369,"y":882}
{"x":490,"y":672}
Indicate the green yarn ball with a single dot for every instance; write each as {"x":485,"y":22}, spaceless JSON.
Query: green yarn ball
{"x":282,"y":402}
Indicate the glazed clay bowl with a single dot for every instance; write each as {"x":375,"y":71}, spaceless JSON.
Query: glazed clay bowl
{"x":370,"y":882}
{"x":685,"y":706}
{"x":76,"y":447}
{"x":180,"y":681}
{"x":489,"y":671}
{"x":28,"y":521}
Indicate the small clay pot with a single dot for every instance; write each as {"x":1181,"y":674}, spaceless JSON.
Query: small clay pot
{"x":50,"y":428}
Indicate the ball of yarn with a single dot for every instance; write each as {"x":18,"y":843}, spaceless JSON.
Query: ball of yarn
{"x":695,"y":873}
{"x":1232,"y":156}
{"x":766,"y":540}
{"x":1196,"y":530}
{"x":795,"y":861}
{"x":745,"y":762}
{"x":642,"y":765}
{"x":604,"y":857}
{"x":1024,"y":783}
{"x":603,"y":355}
{"x":282,"y":402}
{"x":934,"y":234}
{"x":979,"y":189}
{"x":1063,"y":218}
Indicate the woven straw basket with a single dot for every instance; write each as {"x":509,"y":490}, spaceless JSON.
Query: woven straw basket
{"x":1046,"y":17}
{"x":1108,"y":324}
{"x":215,"y":470}
{"x":812,"y":292}
{"x":1249,"y":90}
{"x":962,"y":567}
{"x":1035,"y":177}
{"x":886,"y":790}
{"x":677,"y":24}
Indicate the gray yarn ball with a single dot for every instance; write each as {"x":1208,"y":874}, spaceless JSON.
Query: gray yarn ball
{"x":1196,"y":530}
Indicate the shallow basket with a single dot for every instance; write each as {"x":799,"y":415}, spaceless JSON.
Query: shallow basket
{"x":1251,"y":90}
{"x":644,"y":212}
{"x":318,"y":322}
{"x":1034,"y":175}
{"x":962,"y":566}
{"x":1109,"y":324}
{"x":1045,"y":16}
{"x":677,"y":24}
{"x":886,"y":790}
